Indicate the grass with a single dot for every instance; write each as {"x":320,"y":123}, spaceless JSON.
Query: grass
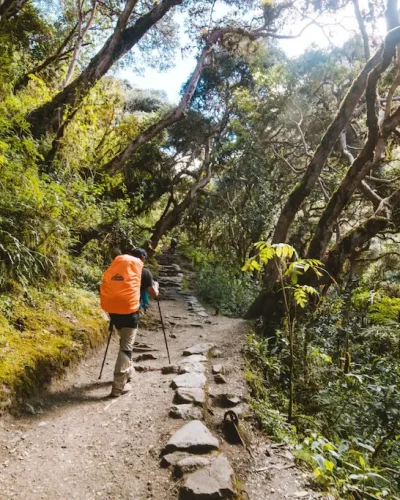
{"x":41,"y":333}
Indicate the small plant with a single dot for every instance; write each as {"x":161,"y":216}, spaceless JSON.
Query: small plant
{"x":294,"y":294}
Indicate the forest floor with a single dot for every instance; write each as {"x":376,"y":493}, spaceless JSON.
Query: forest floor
{"x":74,"y":442}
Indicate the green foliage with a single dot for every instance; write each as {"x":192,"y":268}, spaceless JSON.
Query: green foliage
{"x":283,"y":253}
{"x":384,"y":310}
{"x":231,"y":293}
{"x":342,"y":466}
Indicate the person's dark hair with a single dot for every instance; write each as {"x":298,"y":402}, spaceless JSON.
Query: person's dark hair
{"x":140,"y":253}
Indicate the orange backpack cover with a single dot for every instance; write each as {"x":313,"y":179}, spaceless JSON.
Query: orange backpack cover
{"x":120,"y":288}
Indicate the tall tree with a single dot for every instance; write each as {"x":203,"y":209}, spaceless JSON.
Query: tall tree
{"x":50,"y":115}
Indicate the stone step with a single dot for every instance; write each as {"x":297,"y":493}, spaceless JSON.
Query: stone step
{"x":213,"y":481}
{"x":193,"y":437}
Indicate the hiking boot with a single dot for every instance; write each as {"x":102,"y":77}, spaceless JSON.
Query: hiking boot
{"x":117,"y":394}
{"x":127,"y":388}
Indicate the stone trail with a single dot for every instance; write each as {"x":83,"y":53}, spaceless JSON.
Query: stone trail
{"x":193,"y":452}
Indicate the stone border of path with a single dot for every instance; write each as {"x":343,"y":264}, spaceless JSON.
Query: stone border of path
{"x":193,"y":453}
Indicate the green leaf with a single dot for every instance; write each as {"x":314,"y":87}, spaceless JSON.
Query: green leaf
{"x":300,"y":296}
{"x":310,"y":290}
{"x":329,"y":465}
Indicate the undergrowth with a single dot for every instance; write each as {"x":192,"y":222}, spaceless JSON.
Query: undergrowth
{"x":334,"y":432}
{"x":230,"y":291}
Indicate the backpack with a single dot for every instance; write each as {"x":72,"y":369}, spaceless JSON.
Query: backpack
{"x":120,"y":288}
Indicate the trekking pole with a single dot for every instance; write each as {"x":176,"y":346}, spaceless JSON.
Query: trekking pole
{"x":110,"y":329}
{"x":163,"y":327}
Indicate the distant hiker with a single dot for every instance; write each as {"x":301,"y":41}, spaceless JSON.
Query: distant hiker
{"x":120,"y":297}
{"x":173,"y":245}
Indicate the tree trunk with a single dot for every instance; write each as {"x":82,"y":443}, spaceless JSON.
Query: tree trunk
{"x":365,"y":161}
{"x":117,"y":164}
{"x":350,"y":242}
{"x":173,"y":217}
{"x":10,"y":8}
{"x":62,"y":51}
{"x":314,"y":168}
{"x":82,"y":31}
{"x":49,"y":117}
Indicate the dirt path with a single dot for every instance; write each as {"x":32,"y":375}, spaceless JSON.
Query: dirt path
{"x":76,"y":443}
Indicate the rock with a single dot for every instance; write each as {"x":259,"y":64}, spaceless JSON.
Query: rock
{"x":191,"y":368}
{"x":217,"y":369}
{"x":193,"y":437}
{"x":198,"y":349}
{"x":165,"y":370}
{"x":141,"y":368}
{"x":219,"y":379}
{"x":202,"y":314}
{"x":190,"y":464}
{"x":216,"y":353}
{"x":196,"y":325}
{"x":195,"y":358}
{"x":174,"y":458}
{"x":195,"y":396}
{"x":227,"y":400}
{"x":212,"y":482}
{"x":173,"y":336}
{"x":192,"y":380}
{"x":141,"y":344}
{"x":186,"y":412}
{"x":144,"y":357}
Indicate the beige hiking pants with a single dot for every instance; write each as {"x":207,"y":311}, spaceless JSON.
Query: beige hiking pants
{"x":123,"y":366}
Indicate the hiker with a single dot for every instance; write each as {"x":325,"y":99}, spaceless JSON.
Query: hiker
{"x":146,"y":280}
{"x":173,"y":244}
{"x":120,"y":298}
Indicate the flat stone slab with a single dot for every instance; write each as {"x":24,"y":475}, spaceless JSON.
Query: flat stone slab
{"x":213,"y":482}
{"x":227,"y":400}
{"x":186,"y":412}
{"x":191,"y":380}
{"x":193,"y":437}
{"x":186,"y":395}
{"x":198,"y":349}
{"x":191,"y":464}
{"x":195,"y":358}
{"x":191,"y":368}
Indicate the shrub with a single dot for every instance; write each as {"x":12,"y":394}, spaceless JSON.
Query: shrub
{"x":230,"y":292}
